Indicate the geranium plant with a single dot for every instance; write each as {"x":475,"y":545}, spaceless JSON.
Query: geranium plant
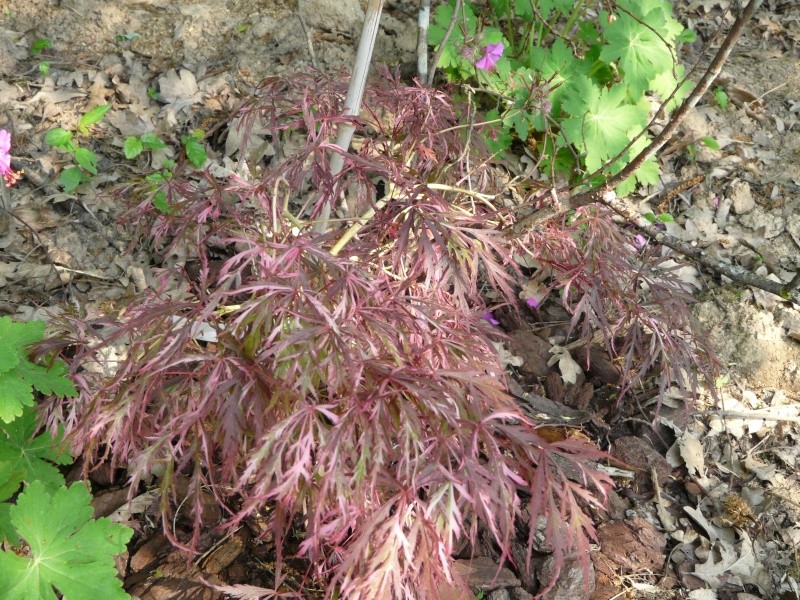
{"x":575,"y":87}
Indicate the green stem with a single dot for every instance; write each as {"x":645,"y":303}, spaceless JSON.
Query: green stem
{"x":577,"y":12}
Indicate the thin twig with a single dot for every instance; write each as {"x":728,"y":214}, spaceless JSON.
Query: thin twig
{"x":738,"y":274}
{"x":307,"y":34}
{"x":443,"y":43}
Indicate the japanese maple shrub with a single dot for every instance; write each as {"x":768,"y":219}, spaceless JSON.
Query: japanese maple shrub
{"x":343,"y":384}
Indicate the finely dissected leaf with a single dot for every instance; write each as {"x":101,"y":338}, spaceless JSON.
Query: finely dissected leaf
{"x":603,"y":120}
{"x":358,"y":396}
{"x":69,"y":552}
{"x":32,"y":456}
{"x":640,"y":51}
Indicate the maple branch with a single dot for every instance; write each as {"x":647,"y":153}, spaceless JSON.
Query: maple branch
{"x":443,"y":43}
{"x":737,"y":274}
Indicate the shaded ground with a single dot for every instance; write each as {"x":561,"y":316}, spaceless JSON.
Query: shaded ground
{"x":712,"y":510}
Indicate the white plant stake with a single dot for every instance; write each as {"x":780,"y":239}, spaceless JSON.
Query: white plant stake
{"x":355,"y":93}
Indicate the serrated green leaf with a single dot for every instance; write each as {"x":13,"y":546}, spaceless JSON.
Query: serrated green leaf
{"x":637,"y":49}
{"x":92,"y":117}
{"x":86,"y":159}
{"x":32,"y":456}
{"x":499,"y":7}
{"x":721,"y":97}
{"x":7,"y":531}
{"x":133,"y":147}
{"x":665,"y":218}
{"x":602,"y":120}
{"x":665,"y":83}
{"x":58,"y":137}
{"x":545,"y":7}
{"x":15,"y":337}
{"x":16,"y":394}
{"x":195,"y":152}
{"x":556,"y":64}
{"x":52,"y":381}
{"x":649,"y":217}
{"x":152,"y":142}
{"x":441,"y":21}
{"x":69,"y":552}
{"x":39,"y":45}
{"x":524,"y":10}
{"x":70,"y":179}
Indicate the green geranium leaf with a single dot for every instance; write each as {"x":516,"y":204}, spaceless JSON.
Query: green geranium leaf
{"x":33,"y":456}
{"x":639,"y":51}
{"x":18,"y":376}
{"x":69,"y":551}
{"x":602,"y":120}
{"x":665,"y":83}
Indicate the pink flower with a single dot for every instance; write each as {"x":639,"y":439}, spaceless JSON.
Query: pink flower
{"x":640,"y":241}
{"x":491,"y":54}
{"x":488,"y":316}
{"x":5,"y":159}
{"x":532,"y":302}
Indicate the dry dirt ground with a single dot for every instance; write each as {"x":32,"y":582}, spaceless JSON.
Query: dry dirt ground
{"x":719,"y":514}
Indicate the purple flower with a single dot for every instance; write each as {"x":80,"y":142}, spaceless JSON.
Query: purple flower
{"x":532,"y":302}
{"x":5,"y":159}
{"x":640,"y":241}
{"x":491,"y":54}
{"x":490,"y":318}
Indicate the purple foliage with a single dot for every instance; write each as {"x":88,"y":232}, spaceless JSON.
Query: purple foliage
{"x":359,"y":396}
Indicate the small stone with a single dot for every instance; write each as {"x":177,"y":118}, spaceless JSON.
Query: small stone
{"x":345,"y":16}
{"x":483,"y":573}
{"x":499,"y":594}
{"x":571,"y":583}
{"x":519,"y":593}
{"x":742,"y":198}
{"x":150,"y":552}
